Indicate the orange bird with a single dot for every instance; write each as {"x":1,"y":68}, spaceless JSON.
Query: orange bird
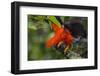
{"x":62,"y":35}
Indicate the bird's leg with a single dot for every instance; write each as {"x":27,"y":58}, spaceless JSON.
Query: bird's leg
{"x":66,"y":49}
{"x":59,"y":44}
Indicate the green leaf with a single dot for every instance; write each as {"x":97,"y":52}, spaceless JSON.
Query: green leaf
{"x":54,"y":20}
{"x":31,"y":26}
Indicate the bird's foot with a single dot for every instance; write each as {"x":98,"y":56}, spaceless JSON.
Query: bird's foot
{"x":66,"y":50}
{"x":59,"y":44}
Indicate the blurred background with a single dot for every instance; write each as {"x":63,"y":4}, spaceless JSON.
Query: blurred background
{"x":39,"y":31}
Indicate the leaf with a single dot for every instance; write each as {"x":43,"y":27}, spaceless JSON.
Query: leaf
{"x":31,"y":26}
{"x":54,"y":20}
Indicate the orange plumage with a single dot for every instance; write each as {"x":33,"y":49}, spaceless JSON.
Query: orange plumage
{"x":61,"y":34}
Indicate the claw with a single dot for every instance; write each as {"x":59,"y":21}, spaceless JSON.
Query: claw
{"x":59,"y":44}
{"x":66,"y":49}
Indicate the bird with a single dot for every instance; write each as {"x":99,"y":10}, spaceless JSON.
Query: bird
{"x":61,"y":35}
